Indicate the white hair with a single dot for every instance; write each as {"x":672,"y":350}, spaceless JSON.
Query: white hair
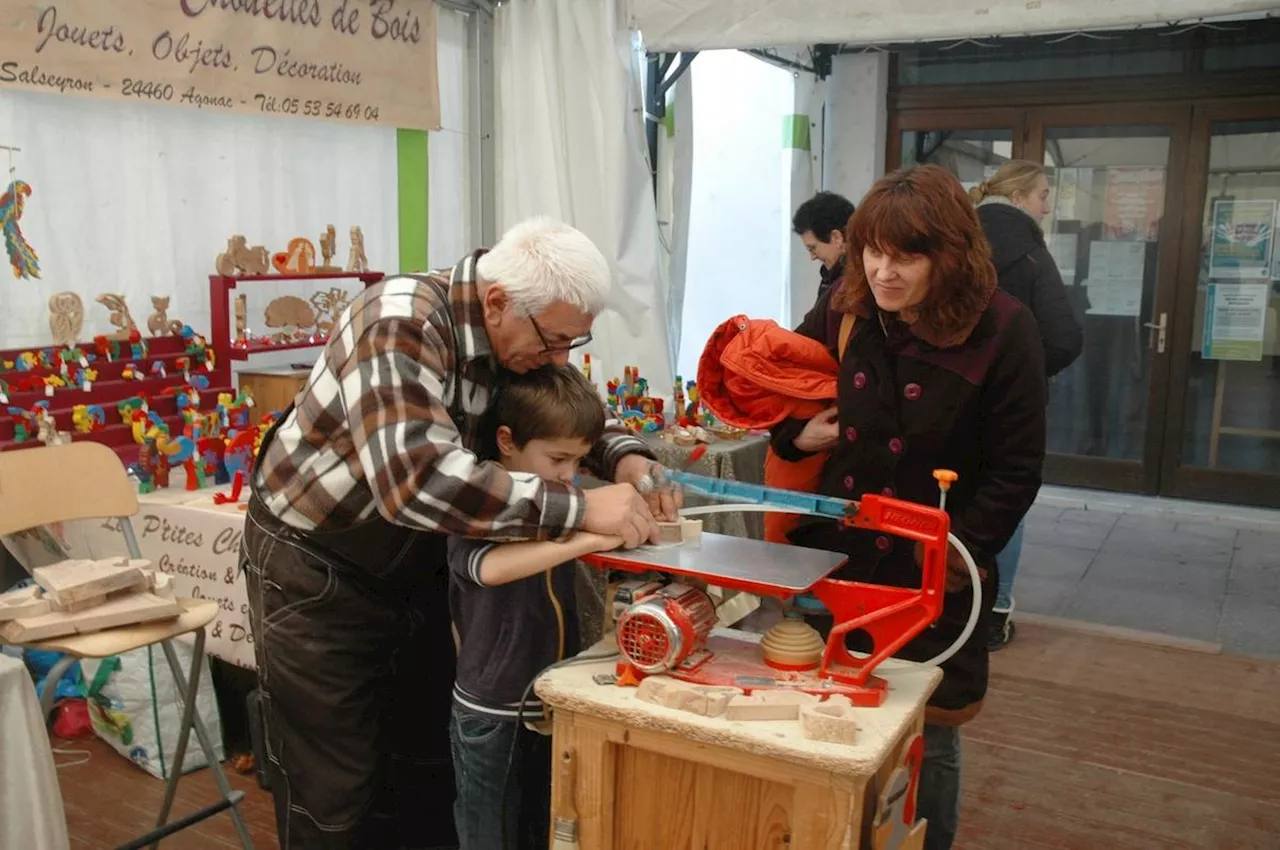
{"x":540,"y":261}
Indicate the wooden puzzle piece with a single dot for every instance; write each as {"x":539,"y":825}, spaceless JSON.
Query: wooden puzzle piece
{"x":831,"y":721}
{"x":682,"y":696}
{"x":768,"y":705}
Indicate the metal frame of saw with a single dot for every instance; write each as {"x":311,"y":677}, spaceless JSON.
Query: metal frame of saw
{"x":891,"y":616}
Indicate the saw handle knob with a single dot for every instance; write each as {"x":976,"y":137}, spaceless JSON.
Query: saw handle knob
{"x":945,"y":478}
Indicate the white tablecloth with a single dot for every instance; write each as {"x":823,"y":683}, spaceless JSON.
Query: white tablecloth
{"x":31,"y":814}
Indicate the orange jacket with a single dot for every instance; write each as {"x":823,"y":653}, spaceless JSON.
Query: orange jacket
{"x":754,"y":374}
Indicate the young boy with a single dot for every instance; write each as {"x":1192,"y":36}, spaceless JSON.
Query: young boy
{"x":514,"y":612}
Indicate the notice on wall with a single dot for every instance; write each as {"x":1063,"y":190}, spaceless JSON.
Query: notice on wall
{"x":1235,"y":321}
{"x":1135,"y":203}
{"x":196,"y":543}
{"x":1241,"y":240}
{"x":1115,"y":278}
{"x":356,"y":61}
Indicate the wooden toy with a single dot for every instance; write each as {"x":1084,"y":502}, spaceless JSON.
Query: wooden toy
{"x":242,"y":318}
{"x":289,"y":314}
{"x":240,"y":259}
{"x":356,"y":260}
{"x":120,"y":316}
{"x":66,"y":318}
{"x":23,"y":259}
{"x":328,"y":247}
{"x":300,"y":258}
{"x":328,"y":306}
{"x":159,"y":323}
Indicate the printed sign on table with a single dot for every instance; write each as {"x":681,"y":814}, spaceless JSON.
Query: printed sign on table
{"x":358,"y":61}
{"x":195,"y":543}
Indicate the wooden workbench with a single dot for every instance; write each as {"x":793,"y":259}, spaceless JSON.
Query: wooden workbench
{"x":648,"y":776}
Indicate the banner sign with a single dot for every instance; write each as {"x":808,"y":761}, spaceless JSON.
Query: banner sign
{"x":358,"y":61}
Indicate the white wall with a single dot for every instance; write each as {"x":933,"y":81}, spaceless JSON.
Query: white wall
{"x":451,"y":206}
{"x":857,"y":123}
{"x":739,"y":220}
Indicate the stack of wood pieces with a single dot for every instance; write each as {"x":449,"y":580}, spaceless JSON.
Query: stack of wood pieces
{"x":79,"y":596}
{"x":831,"y":720}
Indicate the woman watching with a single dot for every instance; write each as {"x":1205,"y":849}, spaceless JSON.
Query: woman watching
{"x":1011,"y":205}
{"x":940,"y":370}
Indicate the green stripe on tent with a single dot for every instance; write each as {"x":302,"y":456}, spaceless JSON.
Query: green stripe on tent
{"x":414,"y":188}
{"x":795,"y":132}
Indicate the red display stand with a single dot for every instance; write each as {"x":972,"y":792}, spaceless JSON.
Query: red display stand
{"x":220,"y":287}
{"x":109,"y":389}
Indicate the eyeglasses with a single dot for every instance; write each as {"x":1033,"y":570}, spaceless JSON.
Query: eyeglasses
{"x":558,"y":347}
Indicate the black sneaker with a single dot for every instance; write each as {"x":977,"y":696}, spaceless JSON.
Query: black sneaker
{"x":1002,"y":631}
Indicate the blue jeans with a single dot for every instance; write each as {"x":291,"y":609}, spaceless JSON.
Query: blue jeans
{"x":489,"y":792}
{"x":1007,"y":568}
{"x":938,"y":796}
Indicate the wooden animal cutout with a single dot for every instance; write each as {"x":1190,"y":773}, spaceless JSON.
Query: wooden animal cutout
{"x":159,"y":323}
{"x":329,"y":247}
{"x":66,"y":318}
{"x":120,"y":316}
{"x":300,"y":258}
{"x":289,"y":314}
{"x":240,"y":259}
{"x":356,"y":260}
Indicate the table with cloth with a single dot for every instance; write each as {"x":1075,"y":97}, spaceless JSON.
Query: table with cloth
{"x":31,"y":813}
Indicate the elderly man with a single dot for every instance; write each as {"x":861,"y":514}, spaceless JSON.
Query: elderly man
{"x":355,"y":490}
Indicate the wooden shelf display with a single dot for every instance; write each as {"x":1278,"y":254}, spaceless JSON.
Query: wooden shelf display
{"x":238,"y":345}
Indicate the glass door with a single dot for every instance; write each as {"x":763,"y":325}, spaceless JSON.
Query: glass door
{"x":971,"y":144}
{"x":1114,"y":233}
{"x":1224,"y":438}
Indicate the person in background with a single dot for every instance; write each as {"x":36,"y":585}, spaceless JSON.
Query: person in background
{"x":1011,"y":205}
{"x":514,"y":608}
{"x":940,"y":370}
{"x":820,"y":222}
{"x":355,"y":490}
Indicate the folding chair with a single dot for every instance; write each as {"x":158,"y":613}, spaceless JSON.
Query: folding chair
{"x":32,"y":494}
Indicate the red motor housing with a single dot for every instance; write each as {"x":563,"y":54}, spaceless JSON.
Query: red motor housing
{"x":663,"y":628}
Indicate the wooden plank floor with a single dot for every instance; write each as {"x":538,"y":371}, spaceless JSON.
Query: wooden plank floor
{"x":1086,"y":743}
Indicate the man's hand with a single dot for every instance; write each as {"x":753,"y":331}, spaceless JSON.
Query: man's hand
{"x":665,"y":499}
{"x":958,"y":577}
{"x":619,"y":510}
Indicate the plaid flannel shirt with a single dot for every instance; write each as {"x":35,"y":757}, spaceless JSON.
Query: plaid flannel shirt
{"x":389,"y":418}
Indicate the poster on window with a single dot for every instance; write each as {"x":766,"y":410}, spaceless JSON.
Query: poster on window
{"x":1116,"y":274}
{"x":1135,"y":204}
{"x":1240,"y":239}
{"x":1235,"y":321}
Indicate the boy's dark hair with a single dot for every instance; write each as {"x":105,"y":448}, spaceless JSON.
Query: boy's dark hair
{"x":550,"y":403}
{"x":823,"y":213}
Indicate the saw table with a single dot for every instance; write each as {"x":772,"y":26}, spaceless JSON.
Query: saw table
{"x":648,"y":776}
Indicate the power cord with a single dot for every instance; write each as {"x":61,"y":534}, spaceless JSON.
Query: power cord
{"x":515,"y":738}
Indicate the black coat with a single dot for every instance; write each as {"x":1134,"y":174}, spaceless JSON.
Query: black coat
{"x":1027,"y":272}
{"x":908,"y":408}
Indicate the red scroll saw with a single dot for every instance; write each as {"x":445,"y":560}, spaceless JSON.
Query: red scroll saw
{"x":667,"y":628}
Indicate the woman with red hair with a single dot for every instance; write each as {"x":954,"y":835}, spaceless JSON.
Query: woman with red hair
{"x":940,"y":371}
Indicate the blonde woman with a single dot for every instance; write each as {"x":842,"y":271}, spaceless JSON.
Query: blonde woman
{"x":1011,"y":205}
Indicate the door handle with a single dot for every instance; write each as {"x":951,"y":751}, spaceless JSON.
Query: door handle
{"x":1159,"y":333}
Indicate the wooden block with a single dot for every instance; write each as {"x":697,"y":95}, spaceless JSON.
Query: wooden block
{"x":691,"y":530}
{"x":24,"y":602}
{"x":768,"y":705}
{"x":830,"y":721}
{"x":125,"y":610}
{"x":695,"y":699}
{"x":80,"y":605}
{"x":670,"y":532}
{"x":69,"y":582}
{"x":161,"y":584}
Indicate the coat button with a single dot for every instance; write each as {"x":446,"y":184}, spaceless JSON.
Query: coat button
{"x":895,"y":446}
{"x":848,"y":482}
{"x":851,"y":433}
{"x":883,"y":543}
{"x":859,"y":380}
{"x":911,"y":391}
{"x":888,"y":491}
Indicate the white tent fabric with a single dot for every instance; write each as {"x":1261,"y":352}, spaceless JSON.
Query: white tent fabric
{"x":570,"y":144}
{"x":669,"y":25}
{"x":804,"y":174}
{"x":675,"y":184}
